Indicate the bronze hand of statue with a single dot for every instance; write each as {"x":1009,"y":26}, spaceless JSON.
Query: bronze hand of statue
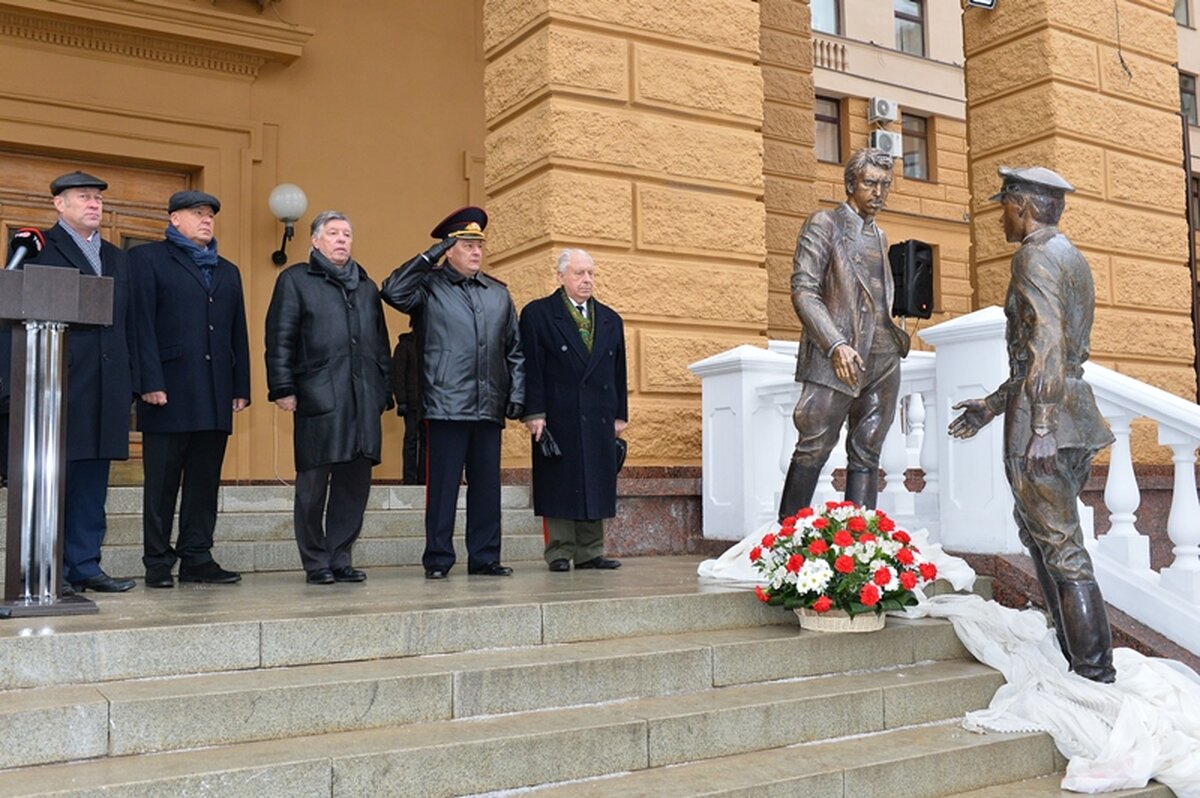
{"x":1041,"y":455}
{"x":847,"y":365}
{"x":975,"y":416}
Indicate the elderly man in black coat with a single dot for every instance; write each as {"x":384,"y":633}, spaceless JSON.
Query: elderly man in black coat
{"x":101,"y":377}
{"x":575,"y":393}
{"x":195,"y":367}
{"x":328,"y":362}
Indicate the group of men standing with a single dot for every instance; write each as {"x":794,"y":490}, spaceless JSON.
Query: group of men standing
{"x":178,"y":346}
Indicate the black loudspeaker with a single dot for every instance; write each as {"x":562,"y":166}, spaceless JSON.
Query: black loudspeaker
{"x":912,"y":271}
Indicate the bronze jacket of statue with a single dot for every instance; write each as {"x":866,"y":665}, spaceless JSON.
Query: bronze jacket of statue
{"x":1049,"y":307}
{"x":831,"y":296}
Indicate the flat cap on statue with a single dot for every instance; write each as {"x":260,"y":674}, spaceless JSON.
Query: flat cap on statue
{"x":468,"y":222}
{"x":75,"y":179}
{"x":182,"y":200}
{"x":1031,"y":180}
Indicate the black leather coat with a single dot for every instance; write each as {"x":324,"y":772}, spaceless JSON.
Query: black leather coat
{"x":329,"y":349}
{"x":473,"y":365}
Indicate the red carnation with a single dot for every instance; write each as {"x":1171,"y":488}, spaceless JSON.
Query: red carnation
{"x":905,"y":556}
{"x":908,"y":580}
{"x":822,"y":604}
{"x":794,"y":562}
{"x":804,"y":512}
{"x":763,"y":596}
{"x":869,"y":596}
{"x":755,"y":554}
{"x":787,"y":531}
{"x":866,"y":537}
{"x":832,"y":505}
{"x":843,"y":538}
{"x":768,"y":540}
{"x":900,"y":536}
{"x":856,"y":524}
{"x":818,"y":547}
{"x":847,"y":504}
{"x":843,"y":564}
{"x":882,"y":577}
{"x":928,"y":571}
{"x":820,"y":523}
{"x":884,"y":523}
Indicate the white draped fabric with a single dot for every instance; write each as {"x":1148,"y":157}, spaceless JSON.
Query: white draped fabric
{"x":1117,"y":736}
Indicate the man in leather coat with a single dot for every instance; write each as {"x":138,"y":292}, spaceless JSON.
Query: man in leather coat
{"x":1052,"y":427}
{"x":473,"y":377}
{"x":848,"y":364}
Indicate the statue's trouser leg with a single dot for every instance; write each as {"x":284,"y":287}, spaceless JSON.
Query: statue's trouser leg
{"x":818,"y":417}
{"x":862,"y":486}
{"x":870,"y":418}
{"x":1046,"y":513}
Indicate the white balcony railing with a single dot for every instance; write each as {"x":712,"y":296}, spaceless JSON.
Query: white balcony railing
{"x":965,"y":503}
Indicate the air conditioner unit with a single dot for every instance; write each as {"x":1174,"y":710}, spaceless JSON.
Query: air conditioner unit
{"x":888,"y":141}
{"x":881,"y":109}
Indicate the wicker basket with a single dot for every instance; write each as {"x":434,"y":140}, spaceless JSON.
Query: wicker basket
{"x":839,"y":621}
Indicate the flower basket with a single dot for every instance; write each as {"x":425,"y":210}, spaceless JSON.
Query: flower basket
{"x":838,"y":621}
{"x":840,"y":558}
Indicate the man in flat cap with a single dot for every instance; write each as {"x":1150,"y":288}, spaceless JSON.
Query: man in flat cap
{"x":101,"y":377}
{"x":848,"y":363}
{"x":473,"y":378}
{"x":195,"y":374}
{"x":1052,"y":426}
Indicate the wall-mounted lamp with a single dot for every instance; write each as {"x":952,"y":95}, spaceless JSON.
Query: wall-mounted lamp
{"x":288,"y":203}
{"x":990,"y":5}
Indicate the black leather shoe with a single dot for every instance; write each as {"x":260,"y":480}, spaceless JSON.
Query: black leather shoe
{"x":491,"y":569}
{"x":159,"y":576}
{"x":348,"y":574}
{"x":103,"y":583}
{"x":598,"y":562}
{"x":437,"y":573}
{"x":560,"y":565}
{"x":208,"y":572}
{"x":321,"y":576}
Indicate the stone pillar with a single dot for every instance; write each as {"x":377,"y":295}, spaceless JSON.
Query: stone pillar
{"x":1093,"y":94}
{"x":632,"y":129}
{"x":790,"y":161}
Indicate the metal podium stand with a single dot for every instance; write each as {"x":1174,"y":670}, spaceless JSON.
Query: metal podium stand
{"x":44,"y":300}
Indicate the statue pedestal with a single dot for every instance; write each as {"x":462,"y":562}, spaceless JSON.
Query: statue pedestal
{"x":44,"y":300}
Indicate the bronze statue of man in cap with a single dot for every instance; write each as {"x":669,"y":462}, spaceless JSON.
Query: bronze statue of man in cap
{"x":848,"y":363}
{"x":1052,"y":426}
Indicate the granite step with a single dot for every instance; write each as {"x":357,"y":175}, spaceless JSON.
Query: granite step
{"x":724,"y":712}
{"x":1049,"y":787}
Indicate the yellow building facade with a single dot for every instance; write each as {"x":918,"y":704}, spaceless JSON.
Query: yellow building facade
{"x":678,"y":142}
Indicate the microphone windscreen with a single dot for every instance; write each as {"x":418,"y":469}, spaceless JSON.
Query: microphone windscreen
{"x":29,"y":237}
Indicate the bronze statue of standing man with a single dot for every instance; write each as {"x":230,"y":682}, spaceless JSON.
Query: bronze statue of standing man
{"x":848,"y":364}
{"x":1052,"y":426}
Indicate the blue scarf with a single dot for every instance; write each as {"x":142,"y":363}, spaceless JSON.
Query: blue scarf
{"x":204,"y":257}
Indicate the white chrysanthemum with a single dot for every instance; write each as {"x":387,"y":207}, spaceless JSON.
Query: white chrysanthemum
{"x":890,"y":547}
{"x":865,"y":552}
{"x":814,"y":576}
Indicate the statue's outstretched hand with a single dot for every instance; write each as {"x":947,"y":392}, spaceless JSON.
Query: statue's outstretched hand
{"x":975,"y":416}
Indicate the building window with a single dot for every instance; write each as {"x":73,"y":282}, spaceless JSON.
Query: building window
{"x":1195,"y":189}
{"x":1181,"y":13}
{"x":827,"y":17}
{"x":829,"y":130}
{"x":915,"y":136}
{"x":1187,"y":96}
{"x":910,"y":26}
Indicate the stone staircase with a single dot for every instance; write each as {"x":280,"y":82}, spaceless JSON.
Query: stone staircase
{"x":255,"y":533}
{"x":635,"y":682}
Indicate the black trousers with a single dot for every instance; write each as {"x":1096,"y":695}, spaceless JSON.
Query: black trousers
{"x":325,"y":533}
{"x":453,"y":446}
{"x":84,"y":522}
{"x":414,"y":449}
{"x":169,"y":459}
{"x":3,"y":447}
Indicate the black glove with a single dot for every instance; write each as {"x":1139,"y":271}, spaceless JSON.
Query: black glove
{"x":401,"y":409}
{"x":547,"y":444}
{"x":514,"y":411}
{"x":435,"y":253}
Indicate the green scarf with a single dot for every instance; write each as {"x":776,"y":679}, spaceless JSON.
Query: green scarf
{"x":586,"y":324}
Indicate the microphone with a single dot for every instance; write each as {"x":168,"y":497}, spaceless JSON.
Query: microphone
{"x":25,"y":242}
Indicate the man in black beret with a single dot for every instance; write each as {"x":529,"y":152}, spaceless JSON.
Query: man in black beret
{"x":1052,"y":427}
{"x":473,"y":378}
{"x":101,"y":377}
{"x":194,"y":355}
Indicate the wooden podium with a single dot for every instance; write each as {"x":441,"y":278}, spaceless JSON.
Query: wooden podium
{"x":43,"y":300}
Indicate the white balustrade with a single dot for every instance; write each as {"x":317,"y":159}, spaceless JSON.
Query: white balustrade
{"x":1122,"y":497}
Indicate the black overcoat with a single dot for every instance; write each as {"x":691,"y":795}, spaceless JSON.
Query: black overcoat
{"x":101,"y":363}
{"x":192,"y":340}
{"x":329,"y":349}
{"x":580,"y":394}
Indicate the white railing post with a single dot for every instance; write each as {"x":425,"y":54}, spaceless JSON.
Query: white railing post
{"x":1182,"y":577}
{"x":895,"y":498}
{"x":1122,"y":497}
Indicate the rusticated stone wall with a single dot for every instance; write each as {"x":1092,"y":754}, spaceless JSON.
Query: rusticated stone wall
{"x":1093,"y":95}
{"x":632,"y":129}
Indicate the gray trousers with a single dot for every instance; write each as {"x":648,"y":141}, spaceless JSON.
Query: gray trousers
{"x":569,"y":539}
{"x":326,"y":534}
